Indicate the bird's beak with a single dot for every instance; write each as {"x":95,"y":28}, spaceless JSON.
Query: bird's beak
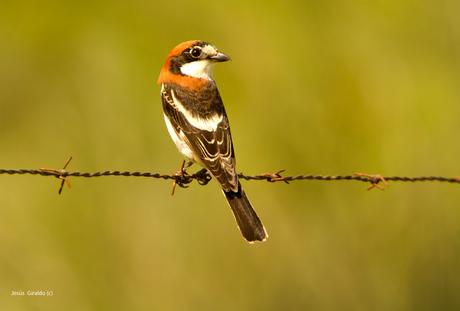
{"x":220,"y":57}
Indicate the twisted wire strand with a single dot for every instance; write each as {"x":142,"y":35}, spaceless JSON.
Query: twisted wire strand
{"x":203,"y":177}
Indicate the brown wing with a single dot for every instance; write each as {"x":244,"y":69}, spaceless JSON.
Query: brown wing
{"x":212,"y":147}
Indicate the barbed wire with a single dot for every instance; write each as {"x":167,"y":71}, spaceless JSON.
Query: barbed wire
{"x":183,"y":179}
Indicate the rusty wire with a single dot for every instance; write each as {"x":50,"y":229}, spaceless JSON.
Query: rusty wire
{"x":203,"y":177}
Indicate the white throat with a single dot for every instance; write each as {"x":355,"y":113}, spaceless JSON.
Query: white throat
{"x":198,"y":69}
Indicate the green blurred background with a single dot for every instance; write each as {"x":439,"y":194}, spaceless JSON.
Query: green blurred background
{"x":326,"y":87}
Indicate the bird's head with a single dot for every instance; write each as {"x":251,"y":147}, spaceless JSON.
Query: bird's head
{"x":191,"y":59}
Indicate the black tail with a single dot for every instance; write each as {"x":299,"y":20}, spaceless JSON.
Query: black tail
{"x":249,"y":223}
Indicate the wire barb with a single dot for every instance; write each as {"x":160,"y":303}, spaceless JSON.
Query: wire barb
{"x":181,"y":179}
{"x":377,"y":180}
{"x":60,"y":174}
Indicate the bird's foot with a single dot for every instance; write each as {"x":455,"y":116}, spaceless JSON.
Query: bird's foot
{"x":181,"y":177}
{"x":202,"y":176}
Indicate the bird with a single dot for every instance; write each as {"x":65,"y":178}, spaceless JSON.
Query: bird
{"x":196,"y":120}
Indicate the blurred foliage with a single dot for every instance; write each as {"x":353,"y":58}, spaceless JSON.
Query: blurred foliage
{"x":325,"y":87}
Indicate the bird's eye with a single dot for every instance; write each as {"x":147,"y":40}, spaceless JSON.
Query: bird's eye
{"x":195,"y":52}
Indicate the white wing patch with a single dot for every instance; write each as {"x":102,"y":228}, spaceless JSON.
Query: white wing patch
{"x":205,"y":124}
